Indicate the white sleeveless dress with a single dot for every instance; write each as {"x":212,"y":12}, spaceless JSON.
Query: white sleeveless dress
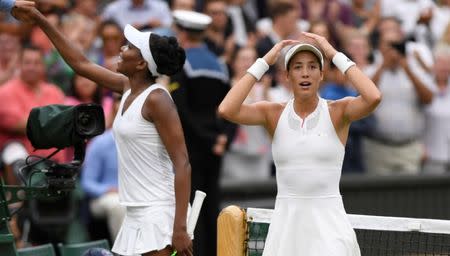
{"x":309,"y":217}
{"x":146,"y":181}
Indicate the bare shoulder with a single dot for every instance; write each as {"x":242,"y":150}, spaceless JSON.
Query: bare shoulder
{"x":273,"y":112}
{"x":158,"y":103}
{"x":337,"y":110}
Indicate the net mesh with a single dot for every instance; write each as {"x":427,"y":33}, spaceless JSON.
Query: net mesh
{"x":372,"y":242}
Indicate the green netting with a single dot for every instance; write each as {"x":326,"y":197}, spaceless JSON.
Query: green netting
{"x":257,"y":233}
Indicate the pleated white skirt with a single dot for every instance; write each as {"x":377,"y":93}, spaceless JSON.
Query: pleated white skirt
{"x":145,"y":229}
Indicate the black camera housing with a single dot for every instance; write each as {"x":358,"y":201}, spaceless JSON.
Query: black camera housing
{"x":61,"y":126}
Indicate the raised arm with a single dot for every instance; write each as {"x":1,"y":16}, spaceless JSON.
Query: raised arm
{"x":73,"y":55}
{"x":233,"y":107}
{"x":354,"y":108}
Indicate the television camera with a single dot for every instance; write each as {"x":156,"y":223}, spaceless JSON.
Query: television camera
{"x":52,"y":126}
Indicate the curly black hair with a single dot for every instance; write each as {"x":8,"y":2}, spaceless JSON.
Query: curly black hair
{"x":167,"y":53}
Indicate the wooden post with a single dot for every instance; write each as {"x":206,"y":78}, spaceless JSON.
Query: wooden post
{"x":231,"y":232}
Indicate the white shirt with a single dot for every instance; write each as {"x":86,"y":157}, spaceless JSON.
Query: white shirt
{"x":437,"y":132}
{"x":146,"y":175}
{"x":400,"y":106}
{"x":407,"y":11}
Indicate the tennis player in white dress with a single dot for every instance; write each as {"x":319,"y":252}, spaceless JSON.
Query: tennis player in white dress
{"x":308,"y":137}
{"x":154,"y":168}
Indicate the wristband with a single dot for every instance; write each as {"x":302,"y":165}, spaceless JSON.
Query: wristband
{"x":258,"y":69}
{"x":7,"y":5}
{"x":342,"y":62}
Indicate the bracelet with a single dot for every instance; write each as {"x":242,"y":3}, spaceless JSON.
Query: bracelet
{"x":342,"y":62}
{"x":6,"y":5}
{"x":258,"y":69}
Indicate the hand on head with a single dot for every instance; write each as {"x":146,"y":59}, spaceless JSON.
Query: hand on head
{"x":326,"y":47}
{"x":24,"y":11}
{"x":272,"y":56}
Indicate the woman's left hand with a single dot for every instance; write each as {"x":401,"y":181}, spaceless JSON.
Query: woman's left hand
{"x":326,"y":47}
{"x":182,"y":243}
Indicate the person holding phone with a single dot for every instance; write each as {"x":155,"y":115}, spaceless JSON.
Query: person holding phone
{"x":393,"y":145}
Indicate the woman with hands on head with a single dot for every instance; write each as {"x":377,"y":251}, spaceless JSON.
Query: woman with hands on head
{"x":154,"y":168}
{"x":308,"y":137}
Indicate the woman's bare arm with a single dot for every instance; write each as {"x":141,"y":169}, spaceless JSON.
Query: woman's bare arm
{"x":233,"y":108}
{"x":160,"y":109}
{"x":73,"y":55}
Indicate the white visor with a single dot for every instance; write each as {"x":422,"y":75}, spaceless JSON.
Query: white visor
{"x":303,"y":47}
{"x":141,"y":41}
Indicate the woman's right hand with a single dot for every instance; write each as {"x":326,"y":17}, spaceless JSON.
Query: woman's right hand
{"x":25,"y":11}
{"x":272,"y":56}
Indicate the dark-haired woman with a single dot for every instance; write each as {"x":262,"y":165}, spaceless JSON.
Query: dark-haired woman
{"x":154,"y":169}
{"x":308,"y":135}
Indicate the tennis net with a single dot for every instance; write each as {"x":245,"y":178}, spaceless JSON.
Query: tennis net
{"x":377,"y":235}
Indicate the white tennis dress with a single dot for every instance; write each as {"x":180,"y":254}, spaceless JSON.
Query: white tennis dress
{"x":146,"y":181}
{"x":309,"y":217}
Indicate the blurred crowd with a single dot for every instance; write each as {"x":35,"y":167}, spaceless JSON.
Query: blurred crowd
{"x":403,"y":45}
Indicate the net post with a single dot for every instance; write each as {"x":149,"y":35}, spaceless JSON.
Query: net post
{"x":231,"y":232}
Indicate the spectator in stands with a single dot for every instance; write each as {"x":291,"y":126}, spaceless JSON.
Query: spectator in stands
{"x":188,"y":5}
{"x":219,"y":35}
{"x":197,"y":91}
{"x":437,"y":114}
{"x":86,"y":8}
{"x":413,"y":15}
{"x":264,"y":25}
{"x":335,"y":12}
{"x":248,"y":158}
{"x":99,"y":178}
{"x":284,"y":17}
{"x":322,"y":28}
{"x":9,"y":56}
{"x":79,"y":30}
{"x":244,"y":28}
{"x":332,"y":11}
{"x":112,"y":39}
{"x":142,"y":14}
{"x":394,"y":146}
{"x":357,"y":45}
{"x":282,"y":91}
{"x":20,"y":94}
{"x":365,"y":15}
{"x":52,"y":11}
